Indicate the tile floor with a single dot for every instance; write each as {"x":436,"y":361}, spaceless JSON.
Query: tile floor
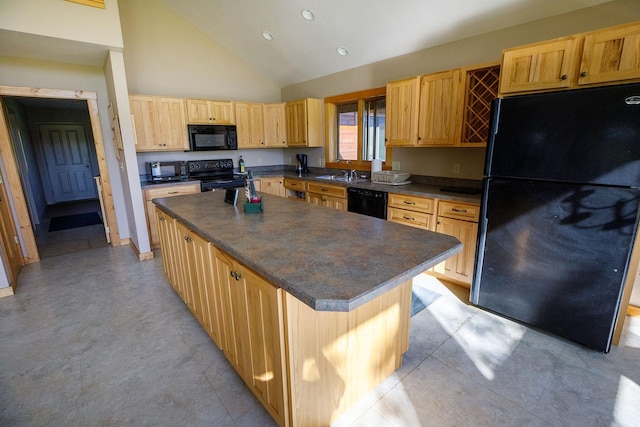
{"x":61,"y":242}
{"x":99,"y":338}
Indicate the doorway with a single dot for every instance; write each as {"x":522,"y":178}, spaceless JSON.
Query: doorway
{"x":51,"y":161}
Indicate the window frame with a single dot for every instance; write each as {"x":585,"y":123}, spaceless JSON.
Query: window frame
{"x":331,"y":129}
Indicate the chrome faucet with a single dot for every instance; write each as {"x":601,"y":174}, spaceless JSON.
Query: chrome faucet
{"x":354,"y":175}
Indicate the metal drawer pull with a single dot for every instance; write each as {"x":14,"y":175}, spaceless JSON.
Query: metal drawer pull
{"x":173,"y":192}
{"x":409,"y":203}
{"x":236,"y":275}
{"x":459,"y":210}
{"x":408,"y":217}
{"x":187,"y":238}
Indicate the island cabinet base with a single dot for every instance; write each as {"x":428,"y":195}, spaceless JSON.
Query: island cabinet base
{"x":335,"y":358}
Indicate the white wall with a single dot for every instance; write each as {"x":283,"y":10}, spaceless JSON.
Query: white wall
{"x":475,"y":50}
{"x":165,"y":55}
{"x":63,"y":20}
{"x":35,"y":73}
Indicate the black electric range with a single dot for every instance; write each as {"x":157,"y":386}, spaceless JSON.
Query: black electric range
{"x":215,"y":174}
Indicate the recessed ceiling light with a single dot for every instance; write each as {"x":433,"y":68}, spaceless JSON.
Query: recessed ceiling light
{"x":343,"y":51}
{"x":267,"y":35}
{"x":308,"y":15}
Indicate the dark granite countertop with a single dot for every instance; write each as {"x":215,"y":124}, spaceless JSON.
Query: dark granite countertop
{"x":329,"y":259}
{"x":413,"y":189}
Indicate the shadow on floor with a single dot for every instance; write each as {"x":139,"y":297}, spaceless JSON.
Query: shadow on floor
{"x":55,"y":243}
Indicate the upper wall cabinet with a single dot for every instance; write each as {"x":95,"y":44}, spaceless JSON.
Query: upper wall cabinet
{"x":451,"y":108}
{"x":249,"y":125}
{"x":203,"y":111}
{"x":480,"y":89}
{"x":403,"y":101}
{"x":605,"y":56}
{"x":261,"y":125}
{"x":305,"y":127}
{"x":159,"y":123}
{"x":438,"y":111}
{"x":275,"y":125}
{"x":611,"y":55}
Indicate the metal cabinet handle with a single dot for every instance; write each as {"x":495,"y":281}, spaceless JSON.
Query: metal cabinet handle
{"x":459,"y":210}
{"x":408,"y":218}
{"x":173,"y":192}
{"x":563,"y":77}
{"x":236,"y":275}
{"x":583,"y":74}
{"x":161,"y":218}
{"x":409,"y":203}
{"x":188,"y":239}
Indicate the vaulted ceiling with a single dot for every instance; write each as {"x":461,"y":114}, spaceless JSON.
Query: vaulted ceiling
{"x":370,"y":30}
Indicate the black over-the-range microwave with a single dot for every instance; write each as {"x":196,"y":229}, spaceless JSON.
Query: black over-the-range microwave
{"x":212,"y":137}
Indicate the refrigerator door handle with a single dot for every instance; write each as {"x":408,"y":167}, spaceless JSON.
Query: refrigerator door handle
{"x":493,"y":130}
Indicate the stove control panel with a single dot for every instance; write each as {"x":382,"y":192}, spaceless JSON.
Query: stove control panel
{"x":210,"y":165}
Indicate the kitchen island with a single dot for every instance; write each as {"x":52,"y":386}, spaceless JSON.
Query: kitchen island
{"x":310,"y":305}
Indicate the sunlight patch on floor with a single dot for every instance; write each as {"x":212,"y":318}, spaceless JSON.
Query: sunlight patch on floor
{"x":487,"y":339}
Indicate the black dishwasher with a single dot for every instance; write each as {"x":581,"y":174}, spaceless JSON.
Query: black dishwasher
{"x":367,"y":202}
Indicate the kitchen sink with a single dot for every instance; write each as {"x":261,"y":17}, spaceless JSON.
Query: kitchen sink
{"x":337,"y":178}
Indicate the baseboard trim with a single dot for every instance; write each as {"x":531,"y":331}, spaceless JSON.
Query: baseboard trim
{"x":142,"y":256}
{"x":6,"y":292}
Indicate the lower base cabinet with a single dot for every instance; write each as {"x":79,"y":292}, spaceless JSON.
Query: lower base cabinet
{"x":306,"y":367}
{"x":461,"y":221}
{"x":331,"y":196}
{"x":254,"y":332}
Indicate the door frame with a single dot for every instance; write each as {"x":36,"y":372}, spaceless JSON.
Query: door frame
{"x":13,"y":177}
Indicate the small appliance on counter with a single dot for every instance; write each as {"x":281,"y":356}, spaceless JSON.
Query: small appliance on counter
{"x":301,"y":168}
{"x":166,"y":171}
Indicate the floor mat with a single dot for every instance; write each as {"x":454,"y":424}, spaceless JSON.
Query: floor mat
{"x":421,"y":298}
{"x":74,"y":221}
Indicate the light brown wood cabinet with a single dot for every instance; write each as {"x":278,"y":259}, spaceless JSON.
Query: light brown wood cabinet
{"x":249,"y":125}
{"x":159,"y":123}
{"x":167,"y":232}
{"x":261,"y":125}
{"x":438,"y":111}
{"x":164,"y":191}
{"x":411,"y":210}
{"x":204,"y":111}
{"x":254,"y":332}
{"x":480,"y":84}
{"x":331,"y":196}
{"x":305,"y":124}
{"x":450,"y":108}
{"x":461,"y":221}
{"x":604,"y":56}
{"x":275,"y":125}
{"x":295,"y":189}
{"x":187,"y":261}
{"x":272,"y":185}
{"x":403,"y":102}
{"x":270,"y":342}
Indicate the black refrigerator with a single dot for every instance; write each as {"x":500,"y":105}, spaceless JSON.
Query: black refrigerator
{"x":559,"y":211}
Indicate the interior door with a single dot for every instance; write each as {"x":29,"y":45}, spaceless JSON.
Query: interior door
{"x":10,"y":246}
{"x":66,"y":151}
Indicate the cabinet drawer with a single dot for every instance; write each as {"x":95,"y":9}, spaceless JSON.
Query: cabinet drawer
{"x":413,"y":218}
{"x":328,"y":190}
{"x":175,"y":190}
{"x":463,"y":211}
{"x":420,"y":204}
{"x":294,"y":184}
